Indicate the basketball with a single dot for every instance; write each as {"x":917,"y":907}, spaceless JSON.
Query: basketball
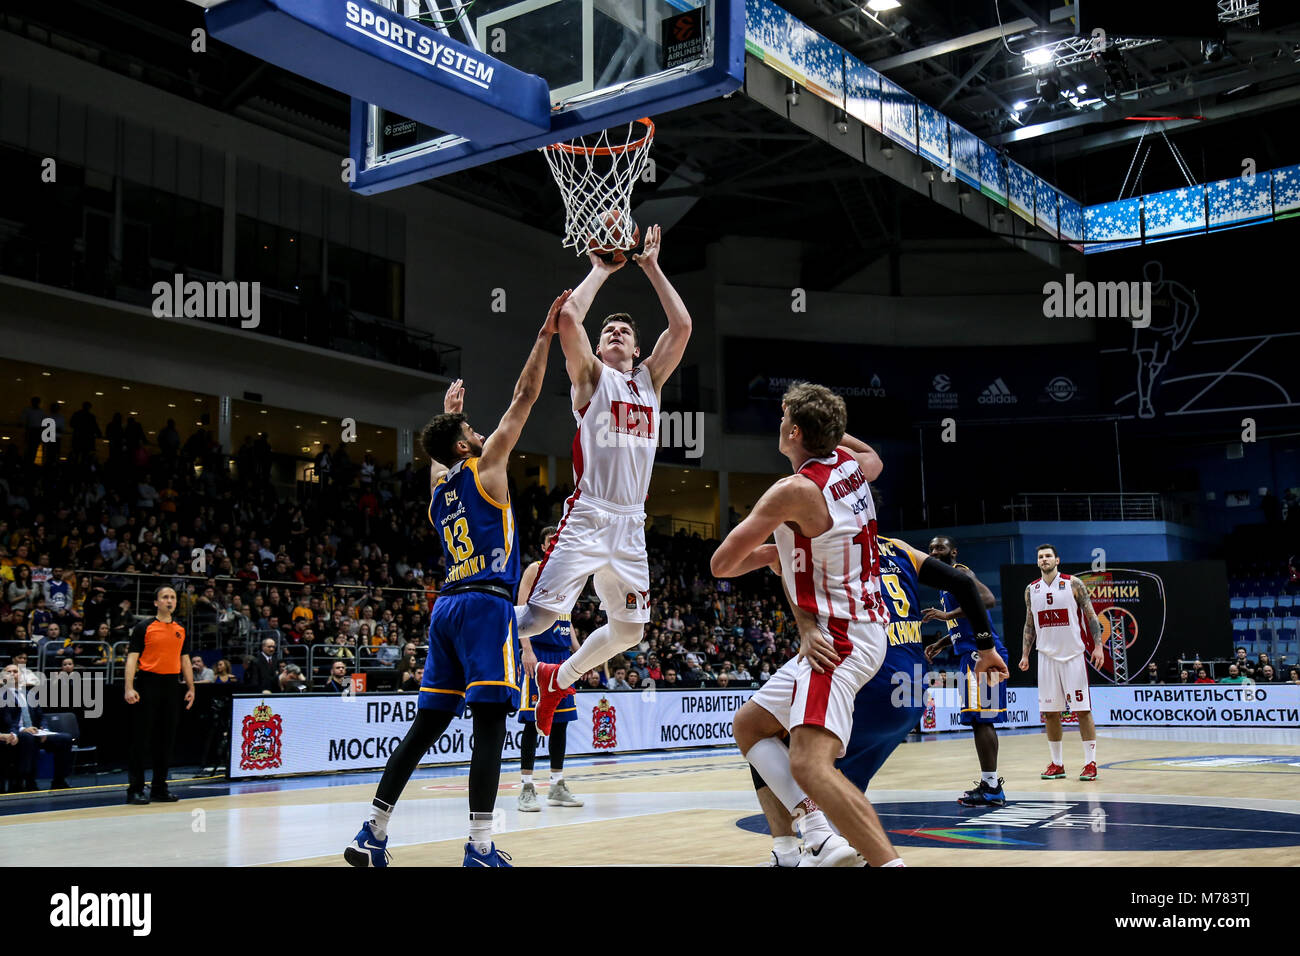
{"x":608,"y":232}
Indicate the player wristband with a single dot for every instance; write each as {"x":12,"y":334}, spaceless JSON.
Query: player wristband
{"x":984,"y":641}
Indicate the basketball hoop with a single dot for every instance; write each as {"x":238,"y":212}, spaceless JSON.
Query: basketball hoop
{"x":596,"y":174}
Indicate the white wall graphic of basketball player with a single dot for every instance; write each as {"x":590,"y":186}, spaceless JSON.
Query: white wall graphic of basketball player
{"x":1173,"y":310}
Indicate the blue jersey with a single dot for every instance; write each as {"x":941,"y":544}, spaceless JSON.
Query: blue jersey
{"x":888,"y":705}
{"x":558,"y":635}
{"x":960,"y":630}
{"x":478,"y":534}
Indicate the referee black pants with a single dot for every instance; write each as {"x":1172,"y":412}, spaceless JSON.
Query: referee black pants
{"x":153,"y":727}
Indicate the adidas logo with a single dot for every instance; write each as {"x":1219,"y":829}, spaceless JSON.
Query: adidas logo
{"x":997,"y":394}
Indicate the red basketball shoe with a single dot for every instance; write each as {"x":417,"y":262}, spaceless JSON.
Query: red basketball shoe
{"x":1054,"y":771}
{"x":1089,"y":772}
{"x":549,"y":697}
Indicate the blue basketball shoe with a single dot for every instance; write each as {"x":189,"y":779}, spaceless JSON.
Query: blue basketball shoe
{"x":493,"y":857}
{"x":982,"y":795}
{"x":366,"y":849}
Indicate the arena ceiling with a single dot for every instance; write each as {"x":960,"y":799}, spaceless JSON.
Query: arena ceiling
{"x":749,"y":171}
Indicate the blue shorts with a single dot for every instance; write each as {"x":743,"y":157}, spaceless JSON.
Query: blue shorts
{"x":993,"y":708}
{"x":878,"y":726}
{"x":568,"y":709}
{"x":473,"y":653}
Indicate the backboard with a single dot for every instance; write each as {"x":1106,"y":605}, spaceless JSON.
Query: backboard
{"x":604,"y":62}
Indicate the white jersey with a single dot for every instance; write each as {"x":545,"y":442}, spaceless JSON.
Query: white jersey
{"x":614,"y":449}
{"x":1059,"y":626}
{"x":836,"y":575}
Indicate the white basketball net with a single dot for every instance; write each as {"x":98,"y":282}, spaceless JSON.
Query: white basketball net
{"x":596,"y":174}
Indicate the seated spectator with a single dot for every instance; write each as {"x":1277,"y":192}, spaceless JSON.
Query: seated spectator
{"x":592,"y":680}
{"x":68,"y":666}
{"x":633,"y":679}
{"x":1266,"y":675}
{"x":20,"y":715}
{"x":388,"y":653}
{"x":291,"y":679}
{"x":202,"y":672}
{"x":765,"y":672}
{"x":1184,"y":677}
{"x":338,"y":682}
{"x":1153,"y":674}
{"x":409,"y":674}
{"x":1234,"y":676}
{"x":653,"y":671}
{"x":640,"y":666}
{"x":28,"y":676}
{"x":724,"y":679}
{"x":1241,"y":657}
{"x":742,"y":675}
{"x":222,"y":673}
{"x":262,"y":672}
{"x":1202,"y":677}
{"x":1294,"y":677}
{"x":1262,"y":661}
{"x":619,"y":680}
{"x":670,"y":678}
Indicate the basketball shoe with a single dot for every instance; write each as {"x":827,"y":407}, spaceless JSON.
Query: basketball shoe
{"x":560,"y":796}
{"x":1089,"y":772}
{"x":367,"y":850}
{"x":493,"y":857}
{"x":833,"y":851}
{"x":548,"y":696}
{"x":528,"y":799}
{"x":1054,"y":771}
{"x":984,"y":796}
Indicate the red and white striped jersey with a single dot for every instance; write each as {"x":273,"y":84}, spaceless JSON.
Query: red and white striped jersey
{"x":836,"y":575}
{"x":614,"y":449}
{"x":1059,"y":626}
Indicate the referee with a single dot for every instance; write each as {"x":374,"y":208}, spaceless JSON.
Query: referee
{"x":157,"y":652}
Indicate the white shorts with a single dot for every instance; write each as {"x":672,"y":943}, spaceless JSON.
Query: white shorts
{"x":796,"y":695}
{"x":611,"y":546}
{"x":1062,"y":682}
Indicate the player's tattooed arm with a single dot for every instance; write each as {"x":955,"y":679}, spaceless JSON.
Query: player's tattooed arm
{"x":1085,"y":607}
{"x":668,"y":350}
{"x":1029,"y":634}
{"x":868,"y":460}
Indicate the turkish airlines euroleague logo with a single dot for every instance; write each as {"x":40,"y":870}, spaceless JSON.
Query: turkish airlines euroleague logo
{"x":684,"y":28}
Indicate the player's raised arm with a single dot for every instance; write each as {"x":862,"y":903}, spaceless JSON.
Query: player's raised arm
{"x":579,"y":359}
{"x":668,"y":351}
{"x":1081,"y":597}
{"x":868,"y":460}
{"x":497,"y":448}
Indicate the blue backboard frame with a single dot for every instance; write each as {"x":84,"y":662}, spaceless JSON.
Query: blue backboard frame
{"x":724,"y":76}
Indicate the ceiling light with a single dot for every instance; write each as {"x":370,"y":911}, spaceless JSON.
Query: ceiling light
{"x":880,"y":6}
{"x":792,"y":93}
{"x":1040,"y":56}
{"x":171,"y":404}
{"x":126,"y":388}
{"x":1019,"y":105}
{"x":1082,"y":88}
{"x":842,"y":122}
{"x":46,"y":374}
{"x":99,"y":393}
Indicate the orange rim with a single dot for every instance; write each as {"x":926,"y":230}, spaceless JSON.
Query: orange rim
{"x":608,"y":150}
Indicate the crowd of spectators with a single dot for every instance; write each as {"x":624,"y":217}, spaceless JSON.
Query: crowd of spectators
{"x":91,"y":525}
{"x":1240,"y":670}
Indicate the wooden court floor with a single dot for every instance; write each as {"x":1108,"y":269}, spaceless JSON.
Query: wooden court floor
{"x":1163,"y":798}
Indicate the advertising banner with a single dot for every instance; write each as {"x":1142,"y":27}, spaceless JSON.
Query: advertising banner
{"x":312,"y":733}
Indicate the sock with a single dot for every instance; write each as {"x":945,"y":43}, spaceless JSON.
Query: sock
{"x":1089,"y":751}
{"x":526,"y":778}
{"x":480,"y":831}
{"x":602,"y":644}
{"x":896,"y":861}
{"x":1058,"y":756}
{"x":814,"y":827}
{"x":380,"y":814}
{"x":785,"y":847}
{"x":556,"y":776}
{"x":990,"y":778}
{"x":772,"y":760}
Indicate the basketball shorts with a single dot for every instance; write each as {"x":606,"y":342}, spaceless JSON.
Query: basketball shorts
{"x":568,"y":709}
{"x":796,"y":695}
{"x":596,"y":541}
{"x":473,"y":653}
{"x":982,"y":702}
{"x":1062,"y":682}
{"x":879,"y":725}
